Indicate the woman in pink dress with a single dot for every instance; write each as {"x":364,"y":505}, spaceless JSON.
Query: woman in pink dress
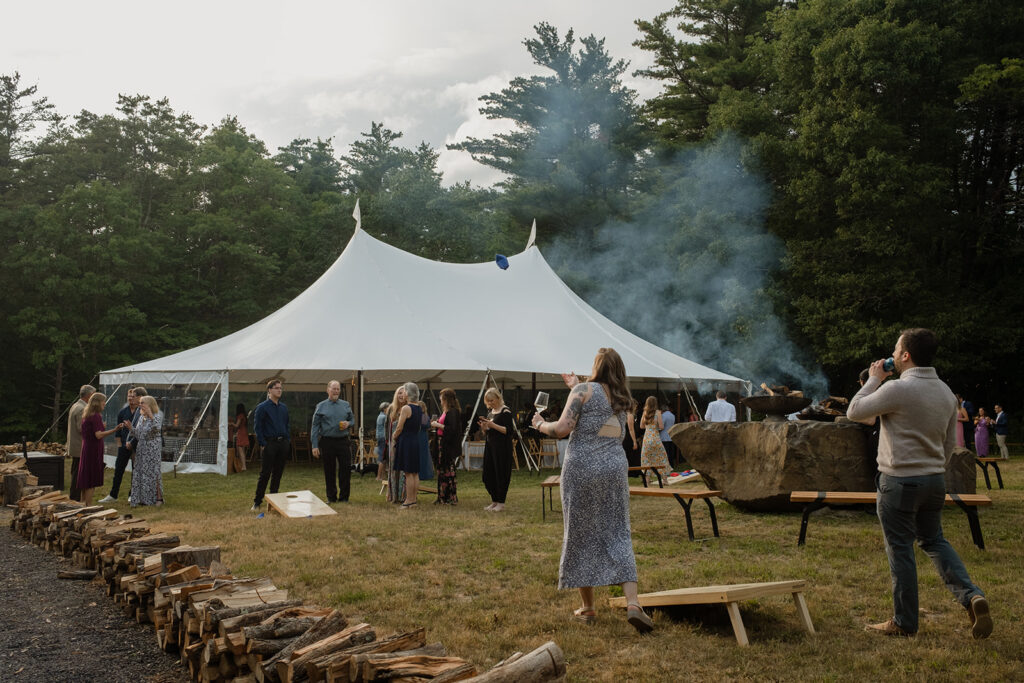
{"x":961,"y":420}
{"x":90,"y":466}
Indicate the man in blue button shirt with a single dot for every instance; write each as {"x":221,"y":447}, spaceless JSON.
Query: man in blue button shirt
{"x":270,"y":421}
{"x":329,"y":434}
{"x":667,"y":420}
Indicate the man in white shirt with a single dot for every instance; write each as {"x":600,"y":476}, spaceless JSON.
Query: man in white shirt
{"x":720,"y":410}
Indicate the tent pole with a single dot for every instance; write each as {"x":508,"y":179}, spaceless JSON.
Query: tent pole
{"x":469,"y":422}
{"x":362,"y":409}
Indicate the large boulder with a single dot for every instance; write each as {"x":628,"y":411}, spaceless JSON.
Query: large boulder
{"x":961,"y":472}
{"x":757,"y":464}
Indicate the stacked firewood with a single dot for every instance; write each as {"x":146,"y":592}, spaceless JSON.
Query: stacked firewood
{"x":241,"y":629}
{"x":38,"y":446}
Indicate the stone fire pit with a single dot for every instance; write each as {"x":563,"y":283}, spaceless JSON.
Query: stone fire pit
{"x":757,"y":464}
{"x":775,"y":408}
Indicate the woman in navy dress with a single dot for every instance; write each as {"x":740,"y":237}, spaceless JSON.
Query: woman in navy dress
{"x":407,"y":443}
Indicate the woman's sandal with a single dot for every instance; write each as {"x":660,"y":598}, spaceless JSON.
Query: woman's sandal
{"x":636,"y":616}
{"x":406,"y":506}
{"x":585,"y":615}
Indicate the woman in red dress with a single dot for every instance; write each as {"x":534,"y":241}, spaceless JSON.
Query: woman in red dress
{"x":90,"y":466}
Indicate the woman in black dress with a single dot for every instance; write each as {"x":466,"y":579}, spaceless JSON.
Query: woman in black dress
{"x":497,"y":428}
{"x":449,"y":438}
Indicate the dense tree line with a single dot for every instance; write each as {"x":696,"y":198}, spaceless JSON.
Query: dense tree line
{"x":888,"y":135}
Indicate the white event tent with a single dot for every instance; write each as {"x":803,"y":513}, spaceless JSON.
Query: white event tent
{"x":380,"y":316}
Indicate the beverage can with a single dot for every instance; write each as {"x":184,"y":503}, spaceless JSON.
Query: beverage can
{"x":889,"y":364}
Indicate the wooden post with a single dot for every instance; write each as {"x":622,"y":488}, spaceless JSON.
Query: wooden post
{"x":13,"y":484}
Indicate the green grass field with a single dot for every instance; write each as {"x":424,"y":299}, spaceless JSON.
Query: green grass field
{"x":485,"y":584}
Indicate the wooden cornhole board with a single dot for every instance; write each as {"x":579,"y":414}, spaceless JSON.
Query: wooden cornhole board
{"x":298,"y":504}
{"x":731,"y":596}
{"x":681,"y":478}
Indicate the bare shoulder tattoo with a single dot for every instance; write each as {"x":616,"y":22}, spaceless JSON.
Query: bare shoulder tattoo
{"x":579,"y":395}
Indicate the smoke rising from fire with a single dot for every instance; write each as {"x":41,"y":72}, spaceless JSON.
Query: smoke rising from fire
{"x":690,"y":271}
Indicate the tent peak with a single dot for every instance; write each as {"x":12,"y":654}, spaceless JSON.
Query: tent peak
{"x":533,"y":235}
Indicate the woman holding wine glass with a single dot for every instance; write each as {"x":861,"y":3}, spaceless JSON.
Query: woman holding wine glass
{"x":497,"y":428}
{"x":449,"y":439}
{"x":597,"y":548}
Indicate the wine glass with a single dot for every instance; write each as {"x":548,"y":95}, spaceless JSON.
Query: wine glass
{"x":541,"y":402}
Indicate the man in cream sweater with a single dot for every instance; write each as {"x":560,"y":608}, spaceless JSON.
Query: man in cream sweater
{"x":918,"y":415}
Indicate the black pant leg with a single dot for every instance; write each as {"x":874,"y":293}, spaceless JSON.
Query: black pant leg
{"x":123,"y":456}
{"x":75,"y":493}
{"x":280,"y":457}
{"x":329,"y":455}
{"x":266,"y":467}
{"x":344,"y":469}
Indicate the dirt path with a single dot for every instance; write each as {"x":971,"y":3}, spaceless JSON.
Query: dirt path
{"x":53,"y":630}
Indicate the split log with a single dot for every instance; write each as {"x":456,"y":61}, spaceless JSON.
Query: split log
{"x":281,"y":628}
{"x":267,"y":648}
{"x":184,"y":556}
{"x":228,"y":619}
{"x":77,"y":574}
{"x":328,"y":626}
{"x":336,"y":664}
{"x":183,"y":575}
{"x":546,"y":663}
{"x":424,"y":666}
{"x":294,"y":669}
{"x":355,"y":664}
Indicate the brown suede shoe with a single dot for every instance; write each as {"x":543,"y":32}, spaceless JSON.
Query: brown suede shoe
{"x":888,"y":628}
{"x":981,"y":619}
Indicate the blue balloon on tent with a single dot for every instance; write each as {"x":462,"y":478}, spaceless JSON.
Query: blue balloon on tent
{"x":501,"y":261}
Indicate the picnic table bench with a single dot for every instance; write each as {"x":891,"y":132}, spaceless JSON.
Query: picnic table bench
{"x":685,"y":498}
{"x":644,"y":469}
{"x":731,"y":595}
{"x":815,"y":500}
{"x":985,"y":462}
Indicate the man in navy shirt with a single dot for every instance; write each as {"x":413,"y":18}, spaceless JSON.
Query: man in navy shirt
{"x":130,"y":413}
{"x":1002,"y":431}
{"x":270,"y":421}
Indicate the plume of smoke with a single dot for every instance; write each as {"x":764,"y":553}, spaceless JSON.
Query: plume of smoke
{"x":689,"y":272}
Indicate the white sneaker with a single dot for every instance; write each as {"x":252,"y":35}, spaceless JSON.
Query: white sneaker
{"x":108,"y":499}
{"x":254,"y":508}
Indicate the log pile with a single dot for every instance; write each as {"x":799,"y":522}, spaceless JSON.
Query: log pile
{"x":240,"y":629}
{"x":38,"y":446}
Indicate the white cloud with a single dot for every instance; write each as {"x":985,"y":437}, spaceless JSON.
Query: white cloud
{"x":311,"y":69}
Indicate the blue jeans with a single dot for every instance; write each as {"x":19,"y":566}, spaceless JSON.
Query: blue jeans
{"x":910,"y":508}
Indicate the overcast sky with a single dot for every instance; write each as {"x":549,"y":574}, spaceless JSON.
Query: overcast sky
{"x":307,"y":68}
